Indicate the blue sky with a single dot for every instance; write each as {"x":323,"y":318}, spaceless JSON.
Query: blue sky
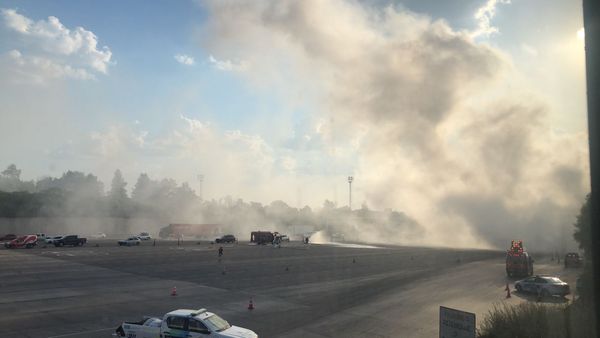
{"x":422,"y":101}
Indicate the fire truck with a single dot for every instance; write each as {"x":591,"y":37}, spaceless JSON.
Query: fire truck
{"x":262,"y":237}
{"x":518,"y":261}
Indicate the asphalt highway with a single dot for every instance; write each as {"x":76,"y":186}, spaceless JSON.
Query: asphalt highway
{"x":297,"y":290}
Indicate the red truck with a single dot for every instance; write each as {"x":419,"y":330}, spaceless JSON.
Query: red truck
{"x":28,"y":242}
{"x":8,"y":237}
{"x":518,"y":261}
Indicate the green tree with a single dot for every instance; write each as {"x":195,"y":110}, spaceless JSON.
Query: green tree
{"x":12,"y":172}
{"x":118,"y":199}
{"x":583,"y":226}
{"x":582,"y":235}
{"x":142,"y":188}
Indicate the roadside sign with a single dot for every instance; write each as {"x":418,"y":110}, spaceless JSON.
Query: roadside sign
{"x":456,"y":324}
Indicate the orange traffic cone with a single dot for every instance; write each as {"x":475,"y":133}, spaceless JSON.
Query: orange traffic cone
{"x":174,"y":291}
{"x":251,"y":305}
{"x":507,"y":290}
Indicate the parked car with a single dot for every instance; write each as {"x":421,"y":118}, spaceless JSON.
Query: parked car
{"x":8,"y":237}
{"x":28,"y":241}
{"x":72,"y":240}
{"x":99,"y":235}
{"x":51,"y":239}
{"x":572,"y":259}
{"x":226,"y":239}
{"x":130,"y":241}
{"x":185,"y":323}
{"x":144,"y":236}
{"x":544,"y":286}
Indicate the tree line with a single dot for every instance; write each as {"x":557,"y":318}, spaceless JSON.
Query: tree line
{"x":77,"y":194}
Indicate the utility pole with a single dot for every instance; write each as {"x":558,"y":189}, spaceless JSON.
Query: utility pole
{"x":201,"y":180}
{"x":350,"y":179}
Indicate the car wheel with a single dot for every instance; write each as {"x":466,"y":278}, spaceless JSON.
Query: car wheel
{"x":137,"y":243}
{"x":519,"y":288}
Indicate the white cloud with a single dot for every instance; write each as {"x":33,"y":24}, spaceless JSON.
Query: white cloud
{"x":34,"y":69}
{"x":55,"y":50}
{"x":184,"y":59}
{"x":529,"y":49}
{"x":227,"y":65}
{"x":16,"y":21}
{"x":484,"y":16}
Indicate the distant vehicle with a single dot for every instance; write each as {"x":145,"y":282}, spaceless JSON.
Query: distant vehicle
{"x":184,"y":323}
{"x":28,"y":241}
{"x":144,"y":236}
{"x":206,"y":231}
{"x":41,"y":237}
{"x":572,"y":259}
{"x":99,"y":235}
{"x":226,"y":239}
{"x":518,"y":261}
{"x":72,"y":240}
{"x":262,"y":237}
{"x":130,"y":241}
{"x":51,"y":239}
{"x":8,"y":237}
{"x":543,"y":285}
{"x":284,"y":238}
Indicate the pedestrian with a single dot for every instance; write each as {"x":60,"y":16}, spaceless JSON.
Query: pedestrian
{"x":220,"y":251}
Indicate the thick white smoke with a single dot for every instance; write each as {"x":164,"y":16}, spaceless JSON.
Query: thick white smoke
{"x":441,"y":125}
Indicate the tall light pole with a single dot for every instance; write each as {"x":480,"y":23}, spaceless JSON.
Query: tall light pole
{"x":201,"y":180}
{"x":350,"y":179}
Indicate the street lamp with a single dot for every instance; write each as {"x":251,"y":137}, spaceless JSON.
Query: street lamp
{"x":350,"y":179}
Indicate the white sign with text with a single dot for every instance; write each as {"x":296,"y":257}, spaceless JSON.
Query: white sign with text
{"x":456,"y":323}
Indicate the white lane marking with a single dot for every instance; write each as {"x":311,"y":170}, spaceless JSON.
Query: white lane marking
{"x":82,"y":332}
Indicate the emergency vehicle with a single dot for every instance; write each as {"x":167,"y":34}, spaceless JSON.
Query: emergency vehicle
{"x":518,"y":261}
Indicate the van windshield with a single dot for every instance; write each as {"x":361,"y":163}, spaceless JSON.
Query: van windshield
{"x":216,"y":323}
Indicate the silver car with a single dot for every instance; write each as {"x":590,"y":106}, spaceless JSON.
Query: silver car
{"x":51,"y":239}
{"x":129,"y":241}
{"x":544,"y":286}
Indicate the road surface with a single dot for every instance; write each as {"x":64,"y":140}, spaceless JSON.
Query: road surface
{"x":297,"y":290}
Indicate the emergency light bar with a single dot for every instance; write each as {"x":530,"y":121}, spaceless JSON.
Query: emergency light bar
{"x":197,"y":312}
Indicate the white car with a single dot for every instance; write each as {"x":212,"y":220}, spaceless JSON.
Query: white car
{"x":51,"y":239}
{"x":99,"y":235}
{"x":130,"y":241}
{"x":184,"y":323}
{"x":544,"y":286}
{"x":144,"y":236}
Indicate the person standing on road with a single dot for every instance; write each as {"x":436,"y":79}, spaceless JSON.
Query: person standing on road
{"x":220,"y":251}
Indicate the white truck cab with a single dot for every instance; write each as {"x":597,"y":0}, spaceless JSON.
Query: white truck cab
{"x":184,"y":323}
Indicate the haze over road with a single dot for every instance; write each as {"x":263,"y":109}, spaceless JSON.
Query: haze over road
{"x":326,"y":291}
